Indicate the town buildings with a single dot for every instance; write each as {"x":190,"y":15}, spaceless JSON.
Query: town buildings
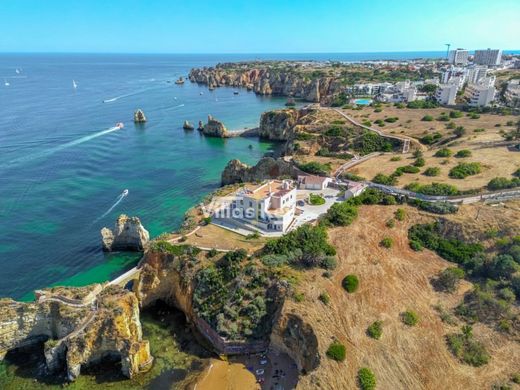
{"x":512,"y":93}
{"x":446,"y":93}
{"x":479,"y":95}
{"x":311,"y":182}
{"x":458,"y":57}
{"x":489,"y":57}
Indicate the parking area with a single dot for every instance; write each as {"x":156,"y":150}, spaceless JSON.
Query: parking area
{"x":307,"y":212}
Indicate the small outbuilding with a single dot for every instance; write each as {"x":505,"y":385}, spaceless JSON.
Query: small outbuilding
{"x":312,"y":182}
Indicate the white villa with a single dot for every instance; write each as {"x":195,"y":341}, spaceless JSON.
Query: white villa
{"x":311,"y":182}
{"x":269,"y":207}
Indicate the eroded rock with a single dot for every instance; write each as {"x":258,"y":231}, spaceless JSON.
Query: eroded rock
{"x":267,"y":168}
{"x":128,"y":235}
{"x":215,"y":128}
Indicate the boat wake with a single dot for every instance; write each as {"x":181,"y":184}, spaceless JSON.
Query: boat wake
{"x":119,"y":199}
{"x":64,"y":146}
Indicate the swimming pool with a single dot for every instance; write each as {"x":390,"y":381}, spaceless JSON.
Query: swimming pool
{"x":362,"y":102}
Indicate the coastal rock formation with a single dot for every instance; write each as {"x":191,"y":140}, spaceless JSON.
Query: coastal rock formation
{"x":139,"y":116}
{"x":278,"y":125}
{"x":128,"y":235}
{"x":297,"y":338}
{"x":215,"y":128}
{"x":187,"y":126}
{"x":201,"y":126}
{"x":79,"y":327}
{"x":267,"y":168}
{"x":264,"y":80}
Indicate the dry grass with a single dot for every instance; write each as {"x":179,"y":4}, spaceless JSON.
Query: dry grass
{"x":391,"y":281}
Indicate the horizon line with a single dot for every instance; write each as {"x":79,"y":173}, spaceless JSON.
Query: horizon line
{"x":239,"y":53}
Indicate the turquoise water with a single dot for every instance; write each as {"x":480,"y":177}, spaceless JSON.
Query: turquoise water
{"x":362,"y":102}
{"x":63,"y":166}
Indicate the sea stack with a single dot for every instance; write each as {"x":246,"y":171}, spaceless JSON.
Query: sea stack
{"x":128,"y":235}
{"x":201,"y":126}
{"x":187,"y":126}
{"x":139,"y":116}
{"x":215,"y":128}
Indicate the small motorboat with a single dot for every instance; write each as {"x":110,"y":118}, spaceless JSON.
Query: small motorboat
{"x":74,"y":85}
{"x":180,"y":80}
{"x":6,"y":83}
{"x":235,"y":92}
{"x":119,"y":125}
{"x":202,"y":93}
{"x":125,"y":193}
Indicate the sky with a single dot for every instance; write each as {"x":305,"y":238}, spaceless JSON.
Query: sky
{"x":254,"y":26}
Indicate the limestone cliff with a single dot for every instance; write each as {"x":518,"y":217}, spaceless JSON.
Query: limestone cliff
{"x":128,"y":235}
{"x":267,"y":168}
{"x":265,"y":79}
{"x":78,"y":330}
{"x":278,"y":125}
{"x":215,"y":128}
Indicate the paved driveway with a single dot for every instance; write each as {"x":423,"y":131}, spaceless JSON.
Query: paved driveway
{"x":310,"y":212}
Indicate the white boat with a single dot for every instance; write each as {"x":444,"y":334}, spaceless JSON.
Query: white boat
{"x":119,"y":125}
{"x":17,"y":71}
{"x":125,"y":193}
{"x":6,"y":83}
{"x":202,"y":93}
{"x":74,"y":85}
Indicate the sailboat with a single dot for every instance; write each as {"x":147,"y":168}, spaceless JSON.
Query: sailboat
{"x":74,"y":85}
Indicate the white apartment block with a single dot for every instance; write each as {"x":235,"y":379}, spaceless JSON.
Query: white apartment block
{"x":479,"y":95}
{"x":446,"y":93}
{"x":269,"y":207}
{"x":475,"y":74}
{"x":489,"y":57}
{"x":512,"y":93}
{"x":458,"y":57}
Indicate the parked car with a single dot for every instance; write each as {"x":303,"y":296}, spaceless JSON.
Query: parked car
{"x":300,"y":203}
{"x":260,"y":371}
{"x":263,"y":362}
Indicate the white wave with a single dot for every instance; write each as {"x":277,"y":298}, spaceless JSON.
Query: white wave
{"x":121,"y":196}
{"x":67,"y":145}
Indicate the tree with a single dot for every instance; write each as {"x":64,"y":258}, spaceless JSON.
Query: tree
{"x":366,"y":379}
{"x":448,"y":280}
{"x":350,"y":283}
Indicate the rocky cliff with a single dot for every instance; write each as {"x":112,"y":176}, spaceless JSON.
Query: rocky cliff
{"x":267,"y":168}
{"x":215,"y":128}
{"x":267,"y":80}
{"x":78,"y":332}
{"x":278,"y":125}
{"x":128,"y":235}
{"x":139,"y":116}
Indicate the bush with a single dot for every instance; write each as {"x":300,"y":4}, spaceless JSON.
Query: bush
{"x":307,"y":245}
{"x":316,"y":200}
{"x":419,"y":162}
{"x":390,"y":223}
{"x":463,"y":170}
{"x":448,"y":280}
{"x":435,"y":189}
{"x":337,"y":351}
{"x":501,"y":183}
{"x":474,"y":115}
{"x":366,"y":379}
{"x":465,"y":348}
{"x":384,"y":179}
{"x":432,"y":171}
{"x":410,"y":318}
{"x":400,"y":214}
{"x":391,"y":119}
{"x":444,"y":152}
{"x":325,"y":298}
{"x":352,"y":177}
{"x":371,"y":142}
{"x":329,"y":262}
{"x":211,"y":253}
{"x":253,"y":236}
{"x":430,"y":138}
{"x":459,"y":131}
{"x":386,"y":242}
{"x":350,"y":283}
{"x":406,"y":169}
{"x":435,"y":207}
{"x":315,"y":168}
{"x":427,"y":118}
{"x":463,"y":153}
{"x":443,"y":118}
{"x":456,"y":114}
{"x":274,"y":260}
{"x":341,"y":214}
{"x":396,"y":158}
{"x":422,"y":104}
{"x":479,"y":130}
{"x":375,"y":330}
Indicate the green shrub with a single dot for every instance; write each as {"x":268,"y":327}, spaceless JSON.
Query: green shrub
{"x":337,"y":351}
{"x":350,"y":283}
{"x":419,"y":162}
{"x":315,"y":168}
{"x":474,"y":115}
{"x":335,"y":132}
{"x":304,"y":136}
{"x":351,"y":176}
{"x":406,"y":169}
{"x":341,"y":214}
{"x":366,"y":379}
{"x":274,"y":260}
{"x":500,"y":183}
{"x":463,"y":153}
{"x":375,"y":330}
{"x":434,"y":207}
{"x":443,"y":118}
{"x":479,"y":130}
{"x":390,"y":223}
{"x":448,"y":279}
{"x":329,"y":262}
{"x":459,"y":131}
{"x":435,"y":189}
{"x":466,"y":349}
{"x":456,"y":114}
{"x":422,"y":104}
{"x":316,"y":200}
{"x":386,"y":242}
{"x":211,"y":253}
{"x":299,"y":297}
{"x":463,"y":170}
{"x":325,"y":298}
{"x":430,"y":138}
{"x":432,"y":171}
{"x":370,"y":142}
{"x":392,"y":119}
{"x":400,"y":214}
{"x":396,"y":158}
{"x":410,"y":318}
{"x":253,"y":236}
{"x":416,"y":245}
{"x":427,"y":118}
{"x":384,"y":179}
{"x":444,"y":152}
